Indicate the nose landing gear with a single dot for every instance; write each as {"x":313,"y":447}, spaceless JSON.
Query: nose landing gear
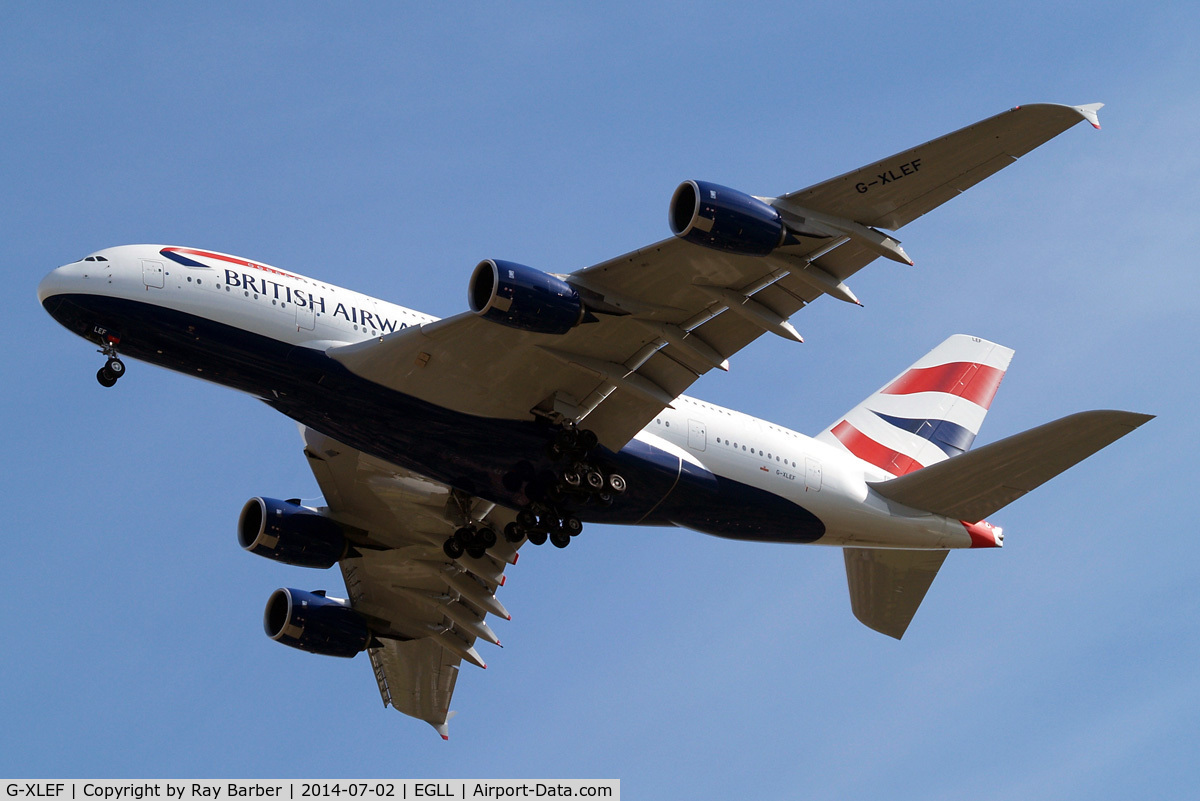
{"x":113,"y":369}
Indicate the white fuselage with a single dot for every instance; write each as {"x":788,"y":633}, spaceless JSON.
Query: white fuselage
{"x":287,"y":307}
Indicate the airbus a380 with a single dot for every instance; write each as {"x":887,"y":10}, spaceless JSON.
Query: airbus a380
{"x":442,"y":446}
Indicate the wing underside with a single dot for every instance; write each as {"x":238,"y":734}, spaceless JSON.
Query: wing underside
{"x":674,"y":310}
{"x":427,"y":611}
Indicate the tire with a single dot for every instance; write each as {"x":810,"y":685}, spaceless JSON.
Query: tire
{"x":466,"y":536}
{"x":526,"y":518}
{"x":486,"y":537}
{"x":587,"y":440}
{"x":616,"y":483}
{"x":537,"y":537}
{"x":595,"y":480}
{"x":572,"y":479}
{"x":514,"y":533}
{"x":560,"y":539}
{"x":452,"y":548}
{"x":116,"y":367}
{"x":572,"y":526}
{"x":565,"y":439}
{"x":476,"y":552}
{"x":105,"y":378}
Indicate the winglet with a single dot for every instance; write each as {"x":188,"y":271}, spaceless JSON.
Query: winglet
{"x":443,"y":728}
{"x":1089,"y":113}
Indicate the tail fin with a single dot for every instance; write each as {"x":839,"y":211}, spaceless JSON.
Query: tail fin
{"x":928,"y":413}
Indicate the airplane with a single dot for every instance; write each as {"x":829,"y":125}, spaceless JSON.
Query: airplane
{"x":441,"y":446}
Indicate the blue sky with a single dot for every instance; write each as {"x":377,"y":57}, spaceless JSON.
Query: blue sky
{"x":389,"y":148}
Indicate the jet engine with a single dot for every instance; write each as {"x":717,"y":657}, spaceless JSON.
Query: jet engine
{"x":725,"y":219}
{"x":311,"y":622}
{"x":521,"y":297}
{"x":290,"y":533}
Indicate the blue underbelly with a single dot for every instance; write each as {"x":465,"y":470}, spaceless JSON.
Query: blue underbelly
{"x":478,"y":455}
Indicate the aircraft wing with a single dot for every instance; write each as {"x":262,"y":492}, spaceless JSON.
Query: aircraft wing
{"x":668,"y":313}
{"x":430,"y":607}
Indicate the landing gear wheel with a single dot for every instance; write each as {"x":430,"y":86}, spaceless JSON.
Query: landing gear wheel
{"x":526,"y":518}
{"x":616,"y":483}
{"x":476,"y":552}
{"x":537,"y":537}
{"x":452,"y":548}
{"x":587,"y":440}
{"x":560,"y":539}
{"x":105,"y":378}
{"x":116,"y":367}
{"x":486,"y":537}
{"x":572,"y":526}
{"x":514,"y":533}
{"x":595,"y":480}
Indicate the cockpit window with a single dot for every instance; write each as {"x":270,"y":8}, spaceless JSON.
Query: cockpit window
{"x":90,"y":258}
{"x":96,"y":258}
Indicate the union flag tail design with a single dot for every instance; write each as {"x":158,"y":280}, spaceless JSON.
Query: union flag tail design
{"x":928,"y":413}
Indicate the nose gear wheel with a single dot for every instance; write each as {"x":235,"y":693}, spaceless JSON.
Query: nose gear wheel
{"x":113,"y":368}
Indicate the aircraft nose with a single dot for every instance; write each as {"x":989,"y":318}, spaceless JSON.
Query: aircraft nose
{"x":54,"y":284}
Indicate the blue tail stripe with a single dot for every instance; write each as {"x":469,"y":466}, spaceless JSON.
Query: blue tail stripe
{"x":952,"y":438}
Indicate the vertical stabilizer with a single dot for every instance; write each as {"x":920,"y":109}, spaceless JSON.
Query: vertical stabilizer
{"x":928,"y":413}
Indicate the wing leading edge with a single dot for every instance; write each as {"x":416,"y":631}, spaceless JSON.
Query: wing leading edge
{"x":670,"y":312}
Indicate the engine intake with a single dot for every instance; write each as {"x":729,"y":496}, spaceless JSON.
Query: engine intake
{"x":289,"y":533}
{"x":725,"y":219}
{"x":521,"y":297}
{"x":311,"y":622}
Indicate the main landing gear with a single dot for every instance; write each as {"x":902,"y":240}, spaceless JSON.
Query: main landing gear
{"x":576,"y":481}
{"x":113,"y":369}
{"x":470,"y":539}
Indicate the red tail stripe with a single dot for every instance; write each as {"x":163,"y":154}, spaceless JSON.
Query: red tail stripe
{"x":871,"y":451}
{"x":968,"y":380}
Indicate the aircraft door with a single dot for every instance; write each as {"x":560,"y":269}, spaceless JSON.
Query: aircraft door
{"x":812,"y":475}
{"x":152,"y":274}
{"x":306,"y":316}
{"x":697,"y":435}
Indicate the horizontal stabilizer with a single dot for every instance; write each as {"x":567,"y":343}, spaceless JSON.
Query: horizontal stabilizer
{"x":887,"y":586}
{"x":977,"y":483}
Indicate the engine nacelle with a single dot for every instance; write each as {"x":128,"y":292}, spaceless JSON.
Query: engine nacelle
{"x":521,"y":297}
{"x":290,"y":533}
{"x":311,"y":622}
{"x":725,"y":219}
